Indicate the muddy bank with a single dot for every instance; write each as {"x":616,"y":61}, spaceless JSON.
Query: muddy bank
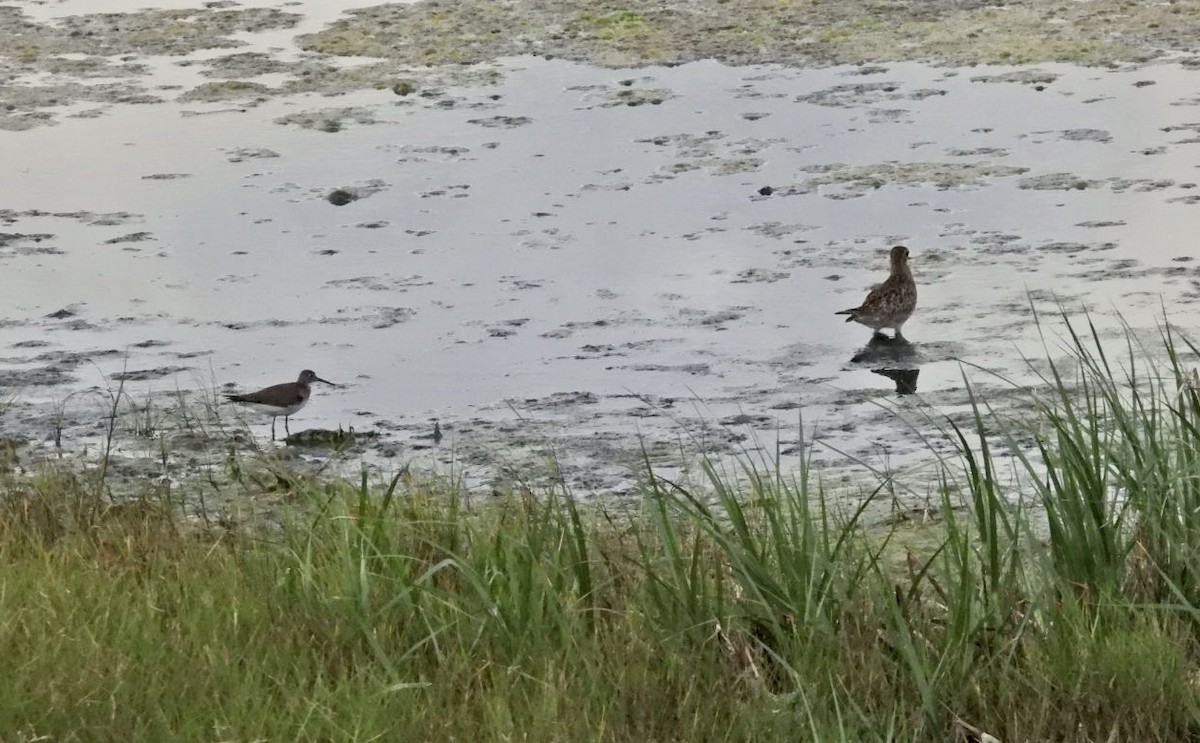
{"x":742,"y":32}
{"x":422,"y":51}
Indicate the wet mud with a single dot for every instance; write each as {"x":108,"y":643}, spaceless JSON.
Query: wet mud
{"x":626,"y":248}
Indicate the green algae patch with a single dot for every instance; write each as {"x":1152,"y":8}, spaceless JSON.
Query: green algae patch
{"x":171,"y":32}
{"x":626,"y":23}
{"x":446,"y":43}
{"x":438,"y":34}
{"x":329,"y":119}
{"x":857,"y":180}
{"x":243,"y":64}
{"x":29,"y":49}
{"x":226,"y":90}
{"x":739,"y":32}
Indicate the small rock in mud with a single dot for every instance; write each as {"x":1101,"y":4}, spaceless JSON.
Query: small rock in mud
{"x":347,"y":194}
{"x":341,"y":197}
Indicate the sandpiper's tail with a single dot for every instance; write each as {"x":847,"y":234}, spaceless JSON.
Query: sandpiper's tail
{"x":234,"y":398}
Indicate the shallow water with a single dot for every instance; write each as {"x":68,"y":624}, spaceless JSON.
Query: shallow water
{"x":535,"y":260}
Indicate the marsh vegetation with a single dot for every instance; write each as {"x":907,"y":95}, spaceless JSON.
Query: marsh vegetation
{"x":1049,"y":592}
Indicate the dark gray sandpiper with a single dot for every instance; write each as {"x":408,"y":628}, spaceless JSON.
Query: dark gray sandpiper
{"x":281,"y":399}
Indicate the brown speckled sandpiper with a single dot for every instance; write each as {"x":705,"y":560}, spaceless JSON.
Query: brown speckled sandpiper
{"x":891,"y":303}
{"x":281,"y":399}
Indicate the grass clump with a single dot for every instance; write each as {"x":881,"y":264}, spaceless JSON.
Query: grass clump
{"x":1058,"y":606}
{"x":615,"y":25}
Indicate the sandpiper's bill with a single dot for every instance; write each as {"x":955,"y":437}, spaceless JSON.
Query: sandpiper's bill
{"x":889,"y":304}
{"x":281,"y":399}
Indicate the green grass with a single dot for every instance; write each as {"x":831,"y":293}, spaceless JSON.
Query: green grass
{"x":750,"y":607}
{"x":614,"y":26}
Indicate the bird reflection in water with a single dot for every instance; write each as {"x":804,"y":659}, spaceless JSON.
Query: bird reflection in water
{"x":884,"y":350}
{"x":905,"y":379}
{"x":894,"y":358}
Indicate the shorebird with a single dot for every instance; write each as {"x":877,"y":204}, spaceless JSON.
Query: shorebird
{"x":888,"y":304}
{"x":281,"y":399}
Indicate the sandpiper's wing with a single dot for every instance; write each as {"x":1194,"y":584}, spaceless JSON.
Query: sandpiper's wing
{"x":280,"y":395}
{"x":879,"y":294}
{"x":873,"y":298}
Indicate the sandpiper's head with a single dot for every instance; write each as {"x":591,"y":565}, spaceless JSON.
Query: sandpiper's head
{"x":899,"y":256}
{"x":308,"y":376}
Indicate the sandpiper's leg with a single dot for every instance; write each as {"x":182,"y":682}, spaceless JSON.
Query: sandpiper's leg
{"x":285,"y":427}
{"x":272,"y":428}
{"x":899,"y":336}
